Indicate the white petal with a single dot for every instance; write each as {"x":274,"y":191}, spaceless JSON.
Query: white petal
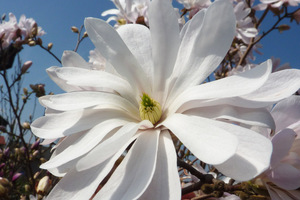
{"x":280,"y":85}
{"x":165,"y":183}
{"x":286,"y":176}
{"x":252,"y":156}
{"x":60,"y":82}
{"x":84,"y":143}
{"x":95,"y":79}
{"x":237,"y":85}
{"x":206,"y":141}
{"x":135,"y":172}
{"x":164,"y":29}
{"x":286,"y":112}
{"x":73,"y":59}
{"x":82,"y":184}
{"x":85,"y":99}
{"x":111,"y":145}
{"x":255,"y":117}
{"x":203,"y":48}
{"x":282,"y":143}
{"x":59,"y":125}
{"x":114,"y":50}
{"x":138,"y":40}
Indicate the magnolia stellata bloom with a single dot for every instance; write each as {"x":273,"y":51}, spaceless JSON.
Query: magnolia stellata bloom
{"x":193,"y":6}
{"x":276,"y":3}
{"x":155,"y":92}
{"x":129,"y":11}
{"x":12,"y":31}
{"x":284,"y":170}
{"x":245,"y":29}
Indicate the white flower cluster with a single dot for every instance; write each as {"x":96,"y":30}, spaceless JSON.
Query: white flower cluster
{"x":12,"y":31}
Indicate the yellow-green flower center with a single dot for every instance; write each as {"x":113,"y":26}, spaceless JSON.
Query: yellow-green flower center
{"x":149,"y":109}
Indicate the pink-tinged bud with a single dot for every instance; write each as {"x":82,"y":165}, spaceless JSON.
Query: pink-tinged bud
{"x":44,"y":185}
{"x":16,"y":176}
{"x":35,"y":153}
{"x":36,"y":144}
{"x":26,"y":66}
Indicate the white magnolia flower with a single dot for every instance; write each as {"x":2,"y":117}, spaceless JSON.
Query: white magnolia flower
{"x":276,"y":3}
{"x":194,"y":6}
{"x":8,"y":30}
{"x":128,"y":11}
{"x":154,"y":93}
{"x":283,"y":176}
{"x":245,"y":29}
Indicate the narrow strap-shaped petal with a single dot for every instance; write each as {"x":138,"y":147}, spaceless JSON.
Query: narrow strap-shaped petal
{"x":255,"y":117}
{"x":85,"y":143}
{"x":203,"y":48}
{"x":138,"y":40}
{"x":60,"y":125}
{"x":94,"y":79}
{"x":73,"y":59}
{"x":164,"y":29}
{"x":237,"y":85}
{"x":134,"y":174}
{"x":286,"y":176}
{"x":252,"y":156}
{"x":80,"y":185}
{"x":207,"y":142}
{"x":286,"y":112}
{"x":282,"y":143}
{"x":111,"y":145}
{"x":279,"y":85}
{"x":114,"y":50}
{"x":85,"y":99}
{"x":165,"y":183}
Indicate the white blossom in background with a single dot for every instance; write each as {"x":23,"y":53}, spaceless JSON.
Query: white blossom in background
{"x":128,"y":11}
{"x":11,"y":30}
{"x":283,"y":176}
{"x":8,"y":30}
{"x":245,"y":29}
{"x":26,"y":26}
{"x":194,"y":6}
{"x":156,"y":92}
{"x":275,"y":3}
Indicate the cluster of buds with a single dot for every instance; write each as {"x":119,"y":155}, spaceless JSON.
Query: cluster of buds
{"x":38,"y":89}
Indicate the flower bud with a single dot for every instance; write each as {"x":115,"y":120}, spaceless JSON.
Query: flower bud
{"x":283,"y":27}
{"x":43,"y":185}
{"x":36,"y":144}
{"x":39,"y":41}
{"x":31,"y":43}
{"x":26,"y":125}
{"x":85,"y":35}
{"x":50,"y":45}
{"x":16,"y":176}
{"x":25,"y":91}
{"x":74,"y":29}
{"x":26,"y":66}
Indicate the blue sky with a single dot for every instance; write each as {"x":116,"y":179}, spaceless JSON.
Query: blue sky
{"x":57,"y":16}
